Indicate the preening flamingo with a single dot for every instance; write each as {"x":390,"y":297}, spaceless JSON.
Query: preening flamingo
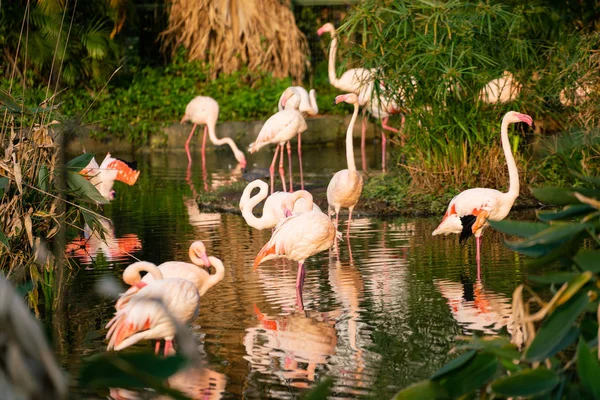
{"x":205,"y":110}
{"x":345,"y":187}
{"x":297,"y":238}
{"x":103,"y":176}
{"x":149,"y":313}
{"x":469,"y":211}
{"x":272,"y":210}
{"x":279,"y":129}
{"x":501,"y":90}
{"x":297,"y":98}
{"x":579,"y":94}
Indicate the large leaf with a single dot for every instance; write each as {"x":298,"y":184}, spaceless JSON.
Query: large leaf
{"x":454,"y":364}
{"x":479,"y":370}
{"x":4,"y":240}
{"x":588,"y":369}
{"x":83,"y":187}
{"x":547,"y":241}
{"x":559,"y":277}
{"x":526,"y":383}
{"x":131,"y":371}
{"x":588,"y":260}
{"x":569,"y":211}
{"x":43,"y":178}
{"x":3,"y":185}
{"x":562,"y":196}
{"x":424,"y":390}
{"x":518,"y":228}
{"x":79,"y":162}
{"x":556,"y":327}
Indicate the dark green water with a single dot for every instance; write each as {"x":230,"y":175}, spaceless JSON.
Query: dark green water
{"x":378,"y":317}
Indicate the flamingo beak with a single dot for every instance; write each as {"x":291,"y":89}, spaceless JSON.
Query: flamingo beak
{"x":243,"y":164}
{"x":287,"y":213}
{"x":140,"y":285}
{"x":205,"y":259}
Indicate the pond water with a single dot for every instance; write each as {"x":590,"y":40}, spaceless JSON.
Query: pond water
{"x":380,"y":314}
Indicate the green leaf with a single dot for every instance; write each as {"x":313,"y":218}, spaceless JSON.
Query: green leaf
{"x":3,"y":185}
{"x":526,"y":383}
{"x":424,"y":390}
{"x":586,"y":178}
{"x":546,"y":241}
{"x":476,"y":373}
{"x":43,"y":178}
{"x":454,"y":364}
{"x":131,"y":371}
{"x":588,"y":260}
{"x":10,"y":103}
{"x":562,"y":196}
{"x":569,"y":211}
{"x":573,"y":287}
{"x":553,"y":277}
{"x":518,"y":228}
{"x":566,"y":341}
{"x":321,"y":391}
{"x":84,"y":188}
{"x":79,"y":162}
{"x":588,"y":369}
{"x":4,"y":240}
{"x":556,"y":327}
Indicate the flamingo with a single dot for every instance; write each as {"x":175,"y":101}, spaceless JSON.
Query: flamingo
{"x":500,"y":90}
{"x":297,"y":98}
{"x":469,"y":211}
{"x":297,"y":238}
{"x":272,"y":210}
{"x":279,"y":129}
{"x":345,"y":187}
{"x":103,"y":176}
{"x":205,"y":110}
{"x":580,"y":94}
{"x":153,"y":311}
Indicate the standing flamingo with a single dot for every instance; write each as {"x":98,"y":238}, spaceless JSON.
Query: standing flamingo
{"x":297,"y":238}
{"x":103,"y":176}
{"x":279,"y":129}
{"x":345,"y":187}
{"x":500,"y":90}
{"x":272,"y":210}
{"x":153,"y":312}
{"x":205,"y":110}
{"x":469,"y":211}
{"x":297,"y":98}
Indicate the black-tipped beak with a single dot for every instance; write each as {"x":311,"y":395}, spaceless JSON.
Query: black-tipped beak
{"x":334,"y":103}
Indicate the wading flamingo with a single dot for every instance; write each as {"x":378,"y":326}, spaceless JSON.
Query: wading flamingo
{"x":272,"y":210}
{"x":345,"y":187}
{"x":470,"y":210}
{"x":103,"y":176}
{"x":149,"y":313}
{"x":205,"y":110}
{"x":297,"y":98}
{"x":297,"y":238}
{"x":279,"y":129}
{"x":500,"y":90}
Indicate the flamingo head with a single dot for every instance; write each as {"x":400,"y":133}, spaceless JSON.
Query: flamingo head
{"x":350,"y":98}
{"x":240,"y":157}
{"x":112,"y":195}
{"x":198,"y":250}
{"x":514,"y":116}
{"x":184,"y":119}
{"x":328,"y":27}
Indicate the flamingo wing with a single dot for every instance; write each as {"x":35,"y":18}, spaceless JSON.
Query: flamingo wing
{"x":280,"y":128}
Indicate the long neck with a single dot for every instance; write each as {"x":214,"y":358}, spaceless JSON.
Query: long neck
{"x":226,"y":140}
{"x":302,"y":194}
{"x":216,"y":277}
{"x":513,"y":173}
{"x":331,"y":64}
{"x":248,"y":203}
{"x":132,"y":275}
{"x":349,"y":143}
{"x":313,"y":101}
{"x":193,"y":254}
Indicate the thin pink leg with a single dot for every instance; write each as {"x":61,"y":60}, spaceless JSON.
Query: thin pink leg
{"x":204,"y":174}
{"x":187,"y":144}
{"x":168,"y":346}
{"x":349,"y":220}
{"x":337,"y":217}
{"x":363,"y":136}
{"x":289,"y":151}
{"x":272,"y":168}
{"x":157,"y":347}
{"x":478,"y":241}
{"x":300,"y":160}
{"x":281,"y":170}
{"x":300,"y":277}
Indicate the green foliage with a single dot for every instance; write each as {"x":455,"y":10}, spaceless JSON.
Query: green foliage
{"x":558,"y":357}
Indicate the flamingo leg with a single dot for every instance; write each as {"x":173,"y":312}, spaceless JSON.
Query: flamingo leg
{"x":157,"y":347}
{"x":289,"y":151}
{"x":300,"y":277}
{"x":478,"y":241}
{"x":168,"y":346}
{"x":281,"y":170}
{"x":204,"y":174}
{"x":363,"y":135}
{"x":187,"y":144}
{"x":300,"y":160}
{"x":272,"y":168}
{"x":337,"y":217}
{"x":349,"y":220}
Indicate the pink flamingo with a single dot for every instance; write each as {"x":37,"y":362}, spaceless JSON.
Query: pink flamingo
{"x":297,"y":98}
{"x":153,"y":311}
{"x":279,"y":129}
{"x":272,"y":210}
{"x":296,"y":238}
{"x":470,"y":210}
{"x":103,"y":176}
{"x":345,"y":187}
{"x":205,"y":110}
{"x":500,"y":90}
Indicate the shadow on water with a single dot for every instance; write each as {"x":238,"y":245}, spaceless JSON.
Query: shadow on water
{"x":381,"y":311}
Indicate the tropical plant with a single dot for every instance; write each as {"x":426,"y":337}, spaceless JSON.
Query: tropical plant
{"x":554,"y":351}
{"x":228,"y":35}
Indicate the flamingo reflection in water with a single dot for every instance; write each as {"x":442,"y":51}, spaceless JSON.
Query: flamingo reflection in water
{"x":91,"y":245}
{"x":476,"y":308}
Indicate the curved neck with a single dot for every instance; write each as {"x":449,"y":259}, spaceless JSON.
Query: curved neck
{"x":349,"y":143}
{"x":312,"y":95}
{"x":248,"y":203}
{"x":216,"y":277}
{"x":331,"y":63}
{"x":513,"y":173}
{"x":301,"y":194}
{"x":132,"y":275}
{"x":193,"y":254}
{"x":226,"y":140}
